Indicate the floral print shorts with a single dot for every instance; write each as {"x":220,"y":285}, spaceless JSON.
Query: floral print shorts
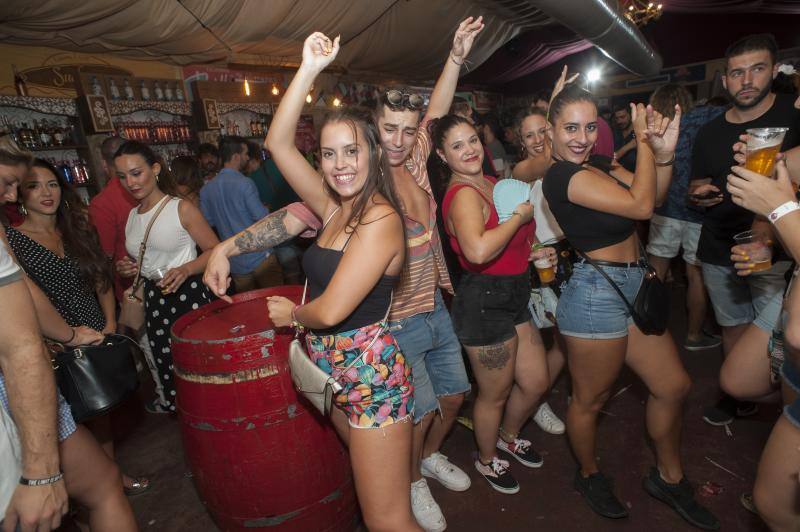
{"x":376,"y":391}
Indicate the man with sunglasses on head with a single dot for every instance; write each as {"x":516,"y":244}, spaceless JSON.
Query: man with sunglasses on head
{"x":418,"y":318}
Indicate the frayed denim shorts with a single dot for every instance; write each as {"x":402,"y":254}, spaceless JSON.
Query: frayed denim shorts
{"x":589,"y":307}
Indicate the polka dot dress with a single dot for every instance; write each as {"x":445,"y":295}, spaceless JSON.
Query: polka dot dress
{"x":161,"y":311}
{"x":60,"y":279}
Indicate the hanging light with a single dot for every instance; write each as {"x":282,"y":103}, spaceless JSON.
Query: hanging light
{"x":275,"y":90}
{"x":641,"y":12}
{"x":246,"y":87}
{"x":337,"y":102}
{"x":308,"y":98}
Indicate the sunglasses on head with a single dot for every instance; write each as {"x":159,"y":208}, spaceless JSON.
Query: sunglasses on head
{"x":396,"y":98}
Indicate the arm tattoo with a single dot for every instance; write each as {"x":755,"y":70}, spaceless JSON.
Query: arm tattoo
{"x":264,"y":234}
{"x":493,"y":356}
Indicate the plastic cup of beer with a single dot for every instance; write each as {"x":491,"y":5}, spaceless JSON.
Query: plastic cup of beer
{"x":763,"y":145}
{"x":545,"y":270}
{"x":157,"y":275}
{"x":757,"y":247}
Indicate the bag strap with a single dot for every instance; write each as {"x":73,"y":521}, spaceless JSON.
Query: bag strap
{"x":610,"y":281}
{"x":143,"y":244}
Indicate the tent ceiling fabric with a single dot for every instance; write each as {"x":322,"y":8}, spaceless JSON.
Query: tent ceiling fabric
{"x":406,"y":39}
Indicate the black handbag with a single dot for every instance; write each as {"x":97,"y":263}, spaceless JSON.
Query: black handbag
{"x":650,"y":309}
{"x":96,"y":378}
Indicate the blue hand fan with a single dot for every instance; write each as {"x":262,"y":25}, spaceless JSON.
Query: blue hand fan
{"x":508,"y":193}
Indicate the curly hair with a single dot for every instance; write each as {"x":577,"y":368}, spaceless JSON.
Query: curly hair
{"x":78,"y":234}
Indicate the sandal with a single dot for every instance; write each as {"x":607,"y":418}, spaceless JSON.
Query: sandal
{"x":139,"y":485}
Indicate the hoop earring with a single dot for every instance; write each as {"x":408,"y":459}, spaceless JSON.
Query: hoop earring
{"x":22,"y":210}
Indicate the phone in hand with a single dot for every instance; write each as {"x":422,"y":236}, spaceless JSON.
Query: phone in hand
{"x":711,"y":194}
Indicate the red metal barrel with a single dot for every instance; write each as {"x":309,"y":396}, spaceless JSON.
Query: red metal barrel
{"x":261,"y":456}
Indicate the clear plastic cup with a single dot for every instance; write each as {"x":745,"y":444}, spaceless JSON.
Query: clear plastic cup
{"x":763,"y":144}
{"x":545,"y":270}
{"x":757,"y":247}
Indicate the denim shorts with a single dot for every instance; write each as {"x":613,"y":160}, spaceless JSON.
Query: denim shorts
{"x":589,"y":307}
{"x":669,"y":235}
{"x":487,"y":308}
{"x":791,"y":376}
{"x":756,"y":298}
{"x":430,"y":345}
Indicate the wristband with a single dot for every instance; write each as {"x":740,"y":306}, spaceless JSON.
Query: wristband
{"x":667,"y":162}
{"x":40,"y":481}
{"x":453,"y":59}
{"x":783,"y":210}
{"x":296,"y":324}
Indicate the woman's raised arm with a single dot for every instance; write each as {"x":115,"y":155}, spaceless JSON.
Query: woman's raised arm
{"x":318,"y":52}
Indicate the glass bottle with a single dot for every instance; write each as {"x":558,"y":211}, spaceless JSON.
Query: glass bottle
{"x":97,"y":90}
{"x":145,"y":91}
{"x":44,"y":134}
{"x":168,"y":92}
{"x":58,"y":135}
{"x":178,"y":91}
{"x":158,"y":92}
{"x":128,"y":91}
{"x":114,"y":90}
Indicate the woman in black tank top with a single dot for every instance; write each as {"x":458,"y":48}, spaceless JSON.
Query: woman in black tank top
{"x":351,"y":270}
{"x":596,"y":203}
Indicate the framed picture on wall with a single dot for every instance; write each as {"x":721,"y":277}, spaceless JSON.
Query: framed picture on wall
{"x":210,"y":113}
{"x":99,"y":113}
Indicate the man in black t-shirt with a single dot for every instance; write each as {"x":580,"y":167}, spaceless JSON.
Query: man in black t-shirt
{"x":624,"y":139}
{"x":747,"y":307}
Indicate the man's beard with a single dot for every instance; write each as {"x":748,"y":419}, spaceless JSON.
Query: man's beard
{"x":757,"y":100}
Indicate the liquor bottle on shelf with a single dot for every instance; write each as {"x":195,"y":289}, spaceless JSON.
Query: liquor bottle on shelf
{"x":45,"y":139}
{"x":158,"y":92}
{"x":114,"y":90}
{"x":168,"y":92}
{"x":58,"y":135}
{"x":179,"y":91}
{"x":65,"y":171}
{"x":145,"y":91}
{"x":97,"y":90}
{"x":26,"y":137}
{"x":223,"y":130}
{"x":253,"y":129}
{"x":128,"y":90}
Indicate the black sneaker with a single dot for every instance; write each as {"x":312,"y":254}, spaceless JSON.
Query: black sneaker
{"x":680,"y":497}
{"x":705,"y":342}
{"x":721,"y":413}
{"x":599,"y":494}
{"x":522,"y":451}
{"x":746,"y":409}
{"x":496,"y":473}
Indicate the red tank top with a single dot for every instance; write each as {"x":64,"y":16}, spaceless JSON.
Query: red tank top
{"x":513,"y":260}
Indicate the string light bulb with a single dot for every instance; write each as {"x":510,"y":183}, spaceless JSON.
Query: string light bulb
{"x":308,"y":98}
{"x":246,"y":87}
{"x":275,"y":90}
{"x":336,"y":102}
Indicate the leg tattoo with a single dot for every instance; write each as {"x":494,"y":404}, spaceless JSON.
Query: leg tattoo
{"x":493,"y":356}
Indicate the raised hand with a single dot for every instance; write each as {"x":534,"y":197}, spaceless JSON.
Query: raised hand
{"x":319,"y":51}
{"x":465,"y":36}
{"x":664,"y":136}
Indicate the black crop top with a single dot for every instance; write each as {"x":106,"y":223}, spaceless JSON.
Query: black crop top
{"x":320,"y":264}
{"x":585,"y":229}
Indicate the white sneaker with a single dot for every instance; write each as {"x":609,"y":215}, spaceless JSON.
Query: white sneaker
{"x":548,"y":420}
{"x":426,"y":511}
{"x":451,"y":476}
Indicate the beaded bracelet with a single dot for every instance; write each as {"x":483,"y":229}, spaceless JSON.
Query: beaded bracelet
{"x":296,"y":324}
{"x":41,"y":481}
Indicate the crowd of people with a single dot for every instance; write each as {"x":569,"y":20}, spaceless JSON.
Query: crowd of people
{"x":426,"y":221}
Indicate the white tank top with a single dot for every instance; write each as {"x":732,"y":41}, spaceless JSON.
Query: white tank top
{"x":546,"y":226}
{"x":169,"y":244}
